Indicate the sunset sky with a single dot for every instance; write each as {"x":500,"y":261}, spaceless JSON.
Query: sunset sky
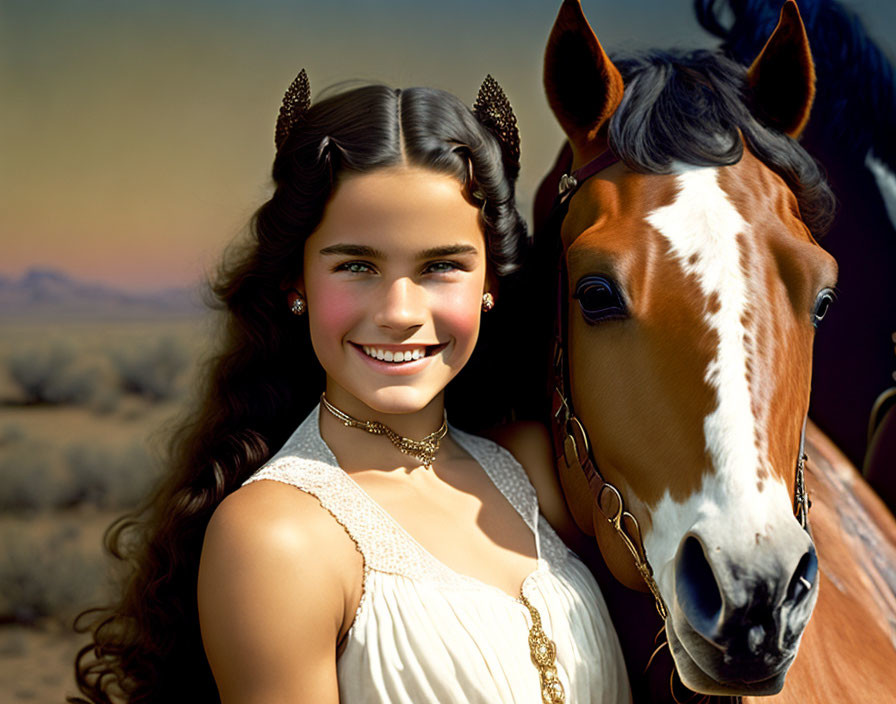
{"x":136,"y":138}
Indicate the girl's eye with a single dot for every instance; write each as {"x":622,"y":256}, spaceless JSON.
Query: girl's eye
{"x":599,"y":298}
{"x":822,"y":303}
{"x":441,"y":267}
{"x":355,"y":267}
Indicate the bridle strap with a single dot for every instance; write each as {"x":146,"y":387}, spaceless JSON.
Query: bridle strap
{"x":801,"y":501}
{"x":570,"y":437}
{"x":569,"y":434}
{"x":569,"y":183}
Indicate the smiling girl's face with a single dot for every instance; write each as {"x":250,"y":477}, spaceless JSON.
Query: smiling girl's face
{"x":394,"y":276}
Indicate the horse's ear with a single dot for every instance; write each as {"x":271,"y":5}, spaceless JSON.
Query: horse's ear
{"x":782,"y":78}
{"x":583,"y":86}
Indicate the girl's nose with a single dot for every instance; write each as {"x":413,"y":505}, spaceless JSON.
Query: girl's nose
{"x":403,"y":307}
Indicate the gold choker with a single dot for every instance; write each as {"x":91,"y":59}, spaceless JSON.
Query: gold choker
{"x":423,"y":450}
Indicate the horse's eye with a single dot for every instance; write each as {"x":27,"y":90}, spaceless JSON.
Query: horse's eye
{"x":599,"y":299}
{"x":822,"y":303}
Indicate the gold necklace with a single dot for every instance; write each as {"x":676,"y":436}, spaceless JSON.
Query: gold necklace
{"x":423,"y":450}
{"x":544,"y":654}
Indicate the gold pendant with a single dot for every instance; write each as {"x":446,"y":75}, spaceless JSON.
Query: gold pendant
{"x":544,"y":654}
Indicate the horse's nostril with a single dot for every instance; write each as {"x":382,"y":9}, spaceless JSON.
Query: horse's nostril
{"x":696,"y":588}
{"x":804,"y":577}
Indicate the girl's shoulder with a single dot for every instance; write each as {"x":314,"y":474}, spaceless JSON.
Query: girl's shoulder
{"x":266,"y":524}
{"x":273,"y":519}
{"x":271,"y":552}
{"x":530,"y":444}
{"x":268,"y":511}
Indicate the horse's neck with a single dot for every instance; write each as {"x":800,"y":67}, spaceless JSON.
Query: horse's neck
{"x":849,"y":377}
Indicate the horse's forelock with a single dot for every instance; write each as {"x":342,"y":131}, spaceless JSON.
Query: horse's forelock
{"x":691,"y":108}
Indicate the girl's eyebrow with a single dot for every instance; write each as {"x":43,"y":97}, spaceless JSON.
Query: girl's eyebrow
{"x":361,"y":250}
{"x":447,"y":251}
{"x":353,"y":250}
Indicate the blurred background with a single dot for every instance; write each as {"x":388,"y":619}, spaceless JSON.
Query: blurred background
{"x":136,"y":140}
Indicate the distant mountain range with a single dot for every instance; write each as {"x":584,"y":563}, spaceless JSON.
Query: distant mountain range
{"x":48,"y":293}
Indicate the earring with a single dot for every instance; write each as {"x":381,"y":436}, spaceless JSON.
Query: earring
{"x":488,"y":301}
{"x":298,"y":305}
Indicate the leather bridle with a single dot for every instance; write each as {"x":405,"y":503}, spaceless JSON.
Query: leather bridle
{"x":569,"y":434}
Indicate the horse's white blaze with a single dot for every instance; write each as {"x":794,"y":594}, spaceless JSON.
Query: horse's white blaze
{"x":701,"y":227}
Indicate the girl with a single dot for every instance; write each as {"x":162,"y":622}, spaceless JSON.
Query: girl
{"x":381,"y":555}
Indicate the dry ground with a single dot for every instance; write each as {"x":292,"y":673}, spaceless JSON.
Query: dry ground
{"x":66,"y":471}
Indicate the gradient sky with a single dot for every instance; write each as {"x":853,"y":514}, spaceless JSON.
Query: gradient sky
{"x":136,"y":138}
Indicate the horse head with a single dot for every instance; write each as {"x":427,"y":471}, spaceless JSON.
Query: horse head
{"x":693,"y":288}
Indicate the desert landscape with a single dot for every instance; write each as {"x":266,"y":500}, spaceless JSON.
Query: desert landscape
{"x":84,"y":406}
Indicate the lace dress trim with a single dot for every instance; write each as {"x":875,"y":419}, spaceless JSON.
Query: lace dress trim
{"x":306,"y":462}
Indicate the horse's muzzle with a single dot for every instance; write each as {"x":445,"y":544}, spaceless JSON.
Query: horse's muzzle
{"x":738,"y":616}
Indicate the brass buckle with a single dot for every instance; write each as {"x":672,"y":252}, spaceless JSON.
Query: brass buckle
{"x":567,"y":183}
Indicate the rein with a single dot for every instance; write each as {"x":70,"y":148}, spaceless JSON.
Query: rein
{"x":568,"y":431}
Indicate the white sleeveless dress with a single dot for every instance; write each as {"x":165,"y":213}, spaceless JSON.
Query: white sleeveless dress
{"x":425,"y":634}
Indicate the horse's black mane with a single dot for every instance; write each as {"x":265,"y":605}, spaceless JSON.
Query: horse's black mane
{"x":855,"y":100}
{"x":693,"y":108}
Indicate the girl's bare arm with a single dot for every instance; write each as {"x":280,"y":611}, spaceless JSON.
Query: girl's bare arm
{"x":274,"y":588}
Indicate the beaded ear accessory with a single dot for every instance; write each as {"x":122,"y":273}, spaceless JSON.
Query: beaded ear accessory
{"x":298,"y":306}
{"x":295,"y":104}
{"x":492,"y":109}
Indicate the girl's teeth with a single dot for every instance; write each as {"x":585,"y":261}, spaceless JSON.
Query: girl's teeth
{"x":389,"y":356}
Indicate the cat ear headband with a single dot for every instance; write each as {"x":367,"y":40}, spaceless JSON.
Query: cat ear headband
{"x":491,"y":108}
{"x":295,"y":104}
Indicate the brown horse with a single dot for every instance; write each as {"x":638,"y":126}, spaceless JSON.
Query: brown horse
{"x":690,"y":289}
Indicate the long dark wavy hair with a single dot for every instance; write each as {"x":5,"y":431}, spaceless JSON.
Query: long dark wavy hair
{"x":265,"y":378}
